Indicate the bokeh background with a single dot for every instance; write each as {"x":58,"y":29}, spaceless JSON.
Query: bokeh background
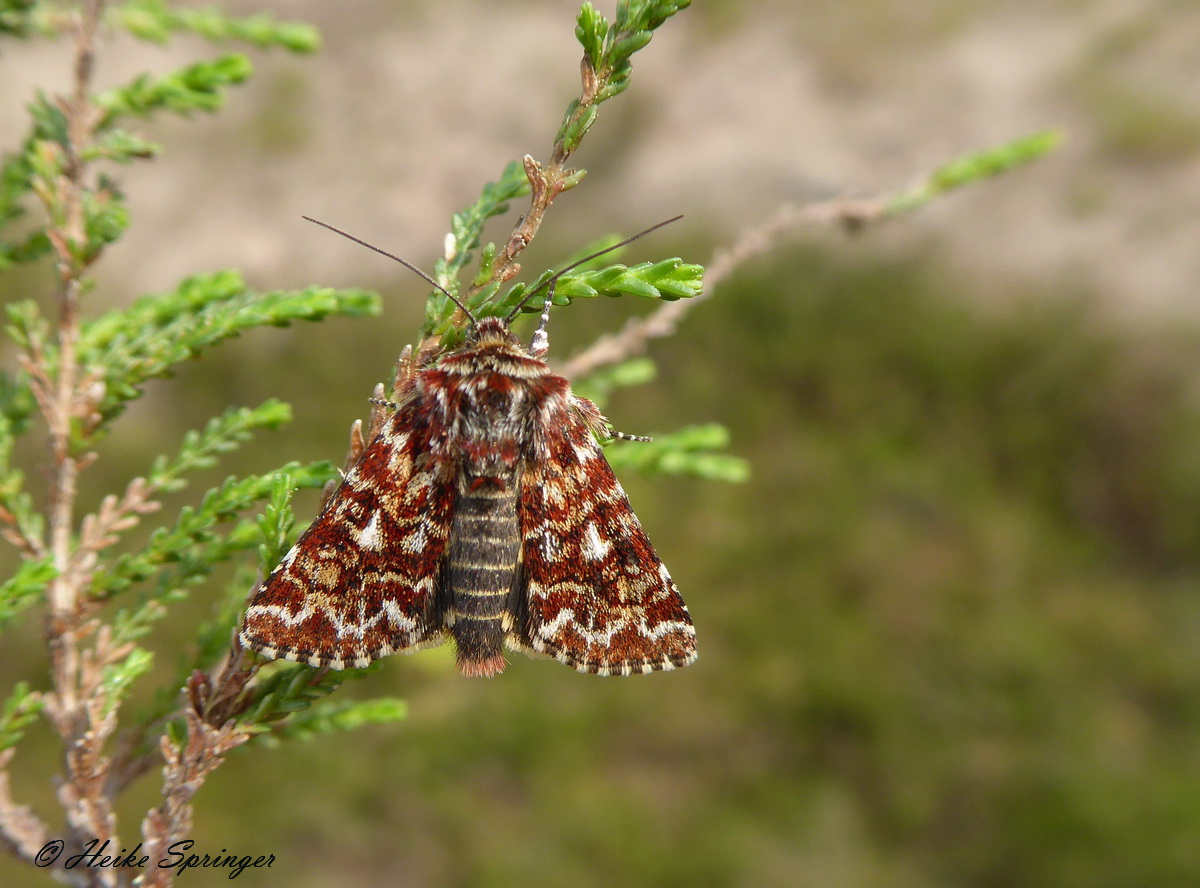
{"x":948,"y":630}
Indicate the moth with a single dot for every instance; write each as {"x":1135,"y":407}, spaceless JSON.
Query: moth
{"x":485,"y":512}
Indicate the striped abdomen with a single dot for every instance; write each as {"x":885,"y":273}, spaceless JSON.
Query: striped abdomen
{"x":481,"y":568}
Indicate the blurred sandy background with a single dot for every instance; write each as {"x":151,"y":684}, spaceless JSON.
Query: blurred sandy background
{"x":947,"y":631}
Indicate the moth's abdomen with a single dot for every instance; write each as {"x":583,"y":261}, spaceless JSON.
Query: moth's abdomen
{"x":481,"y":567}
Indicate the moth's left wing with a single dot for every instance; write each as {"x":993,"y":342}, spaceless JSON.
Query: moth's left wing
{"x":363,"y":580}
{"x":592,"y":590}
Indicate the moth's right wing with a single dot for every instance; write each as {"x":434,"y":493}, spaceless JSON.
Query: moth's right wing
{"x":593,"y":592}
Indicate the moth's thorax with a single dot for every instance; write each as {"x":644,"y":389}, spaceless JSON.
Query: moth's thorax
{"x":490,"y":404}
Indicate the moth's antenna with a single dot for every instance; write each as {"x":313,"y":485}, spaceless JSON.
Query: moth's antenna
{"x":539,"y":343}
{"x":550,"y":283}
{"x":403,"y":262}
{"x":555,"y":277}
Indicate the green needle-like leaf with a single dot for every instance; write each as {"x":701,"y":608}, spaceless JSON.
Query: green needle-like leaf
{"x":340,"y":715}
{"x":20,"y":711}
{"x":597,"y":387}
{"x":198,"y":87}
{"x":695,"y":450}
{"x":25,"y":587}
{"x":195,"y":544}
{"x":289,"y":688}
{"x":466,"y":228}
{"x":668,"y":279}
{"x":150,"y":337}
{"x":154,"y":20}
{"x":221,"y":435}
{"x":976,"y":166}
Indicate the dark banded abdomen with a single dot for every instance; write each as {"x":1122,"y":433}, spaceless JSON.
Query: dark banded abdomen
{"x":481,"y":567}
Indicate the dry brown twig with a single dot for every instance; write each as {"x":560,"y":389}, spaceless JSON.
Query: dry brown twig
{"x":77,"y":705}
{"x":183,"y":773}
{"x":545,"y":184}
{"x":22,"y":832}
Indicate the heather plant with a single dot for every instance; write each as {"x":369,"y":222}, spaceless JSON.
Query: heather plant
{"x":94,"y":594}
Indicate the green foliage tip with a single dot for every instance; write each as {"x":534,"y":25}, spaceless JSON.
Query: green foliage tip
{"x":977,"y":166}
{"x":20,"y":711}
{"x":155,"y":20}
{"x":147,"y":339}
{"x":694,"y":450}
{"x":197,"y":87}
{"x":610,"y":46}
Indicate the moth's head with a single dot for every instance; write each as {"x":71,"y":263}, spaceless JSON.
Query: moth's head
{"x":491,"y":331}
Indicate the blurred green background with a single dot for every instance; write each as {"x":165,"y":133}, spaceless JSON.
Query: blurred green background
{"x":947,"y":631}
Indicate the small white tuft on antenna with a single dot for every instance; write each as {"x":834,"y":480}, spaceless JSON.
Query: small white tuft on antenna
{"x":540,"y":343}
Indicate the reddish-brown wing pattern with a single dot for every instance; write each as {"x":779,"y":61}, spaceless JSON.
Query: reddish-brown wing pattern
{"x":596,"y":595}
{"x":362,"y":581}
{"x":486,"y":511}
